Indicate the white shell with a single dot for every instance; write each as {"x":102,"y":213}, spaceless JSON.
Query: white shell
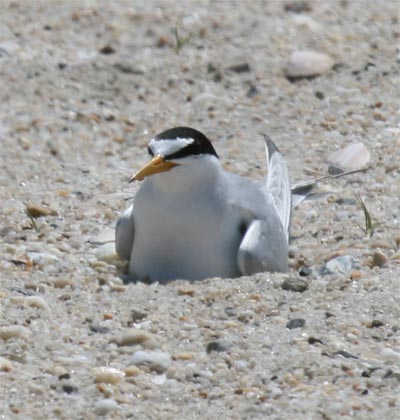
{"x":308,"y":64}
{"x":354,"y":156}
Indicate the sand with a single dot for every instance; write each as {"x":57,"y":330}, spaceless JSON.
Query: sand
{"x":84,"y":86}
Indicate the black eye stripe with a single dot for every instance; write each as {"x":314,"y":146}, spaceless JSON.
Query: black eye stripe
{"x":190,"y":150}
{"x":150,"y":151}
{"x":199,"y":146}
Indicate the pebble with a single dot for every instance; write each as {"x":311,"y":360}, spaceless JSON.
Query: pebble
{"x":37,"y":302}
{"x":390,"y":355}
{"x":297,"y":7}
{"x":307,"y":64}
{"x":378,"y":259}
{"x":206,"y":100}
{"x":14,"y":331}
{"x":137,"y":315}
{"x":69,"y":389}
{"x":99,"y":329}
{"x":218,"y":346}
{"x":132,"y":371}
{"x":159,"y":379}
{"x":134,"y":337}
{"x":105,"y":406}
{"x":295,"y":285}
{"x":107,"y":375}
{"x":240,"y":68}
{"x":34,"y":210}
{"x":106,"y":236}
{"x":156,"y":361}
{"x":305,"y":271}
{"x":184,"y":356}
{"x":63,"y":283}
{"x":106,"y":252}
{"x":339,"y":265}
{"x":306,"y":22}
{"x":42,"y":259}
{"x":9,"y":47}
{"x":5,"y":365}
{"x":295,"y":323}
{"x":381,"y":244}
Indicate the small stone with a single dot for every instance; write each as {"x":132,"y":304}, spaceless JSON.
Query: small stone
{"x":184,"y":356}
{"x":62,"y":283}
{"x":295,"y":285}
{"x":295,"y":323}
{"x":99,"y":329}
{"x":42,"y":259}
{"x":35,"y":211}
{"x":186,"y":292}
{"x":339,"y":265}
{"x":307,"y":64}
{"x":156,"y":361}
{"x":305,"y":271}
{"x":314,"y":340}
{"x":217,"y":346}
{"x":381,"y":244}
{"x":107,"y":49}
{"x":133,"y":337}
{"x":127,"y":68}
{"x":105,"y":406}
{"x":345,"y":354}
{"x":378,"y":259}
{"x":106,"y":252}
{"x":240,"y":68}
{"x":105,"y":236}
{"x":306,"y":22}
{"x":132,"y":371}
{"x":390,"y":355}
{"x":376,"y":323}
{"x":8,"y":47}
{"x":37,"y":302}
{"x":298,"y":7}
{"x":14,"y":331}
{"x":355,"y":274}
{"x":230,"y":311}
{"x":5,"y":365}
{"x":107,"y":375}
{"x":137,"y":315}
{"x":69,"y":389}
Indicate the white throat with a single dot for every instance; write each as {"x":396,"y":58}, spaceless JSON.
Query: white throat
{"x":192,"y":174}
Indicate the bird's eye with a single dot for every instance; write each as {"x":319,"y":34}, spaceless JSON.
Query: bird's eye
{"x":150,"y":151}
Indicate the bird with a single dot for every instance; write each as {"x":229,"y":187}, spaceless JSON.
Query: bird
{"x":191,"y":219}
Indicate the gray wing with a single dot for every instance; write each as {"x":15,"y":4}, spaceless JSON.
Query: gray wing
{"x":264,"y":247}
{"x":266,"y":210}
{"x":278,"y":184}
{"x":124,"y":233}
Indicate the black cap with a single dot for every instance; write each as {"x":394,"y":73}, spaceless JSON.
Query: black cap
{"x":193,"y":143}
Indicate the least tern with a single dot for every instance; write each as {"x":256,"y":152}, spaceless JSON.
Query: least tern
{"x":191,"y":219}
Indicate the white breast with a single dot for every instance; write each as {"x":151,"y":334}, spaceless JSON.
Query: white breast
{"x":194,"y":235}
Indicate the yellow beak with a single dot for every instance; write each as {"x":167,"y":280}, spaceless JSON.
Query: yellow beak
{"x":155,"y":166}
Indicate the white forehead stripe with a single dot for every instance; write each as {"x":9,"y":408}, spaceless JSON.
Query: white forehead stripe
{"x":169,"y":146}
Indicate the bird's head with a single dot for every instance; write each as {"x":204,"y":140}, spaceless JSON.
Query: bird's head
{"x":175,"y":148}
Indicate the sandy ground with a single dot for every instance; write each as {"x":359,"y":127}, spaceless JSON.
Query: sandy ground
{"x":84,"y":86}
